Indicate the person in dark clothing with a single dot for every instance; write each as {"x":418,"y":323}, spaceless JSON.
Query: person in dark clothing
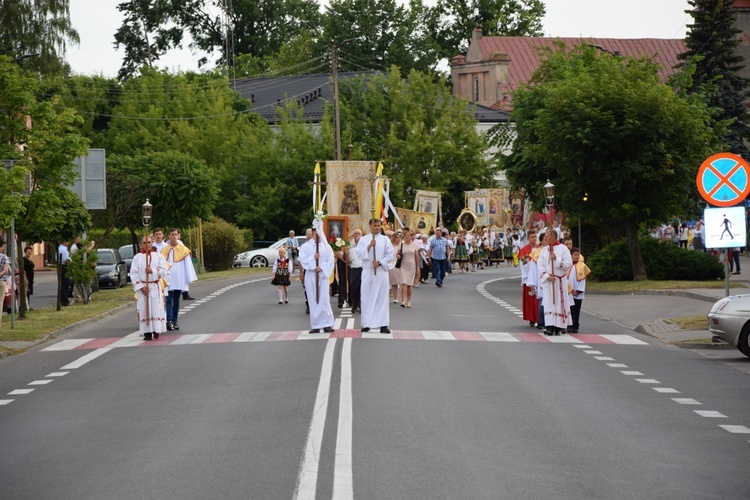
{"x":28,"y":268}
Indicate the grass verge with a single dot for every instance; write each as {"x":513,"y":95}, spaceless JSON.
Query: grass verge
{"x":636,"y":286}
{"x":43,"y":321}
{"x":691,"y":322}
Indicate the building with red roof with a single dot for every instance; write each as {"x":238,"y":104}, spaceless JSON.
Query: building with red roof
{"x":495,"y":66}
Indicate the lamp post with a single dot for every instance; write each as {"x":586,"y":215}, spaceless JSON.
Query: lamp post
{"x":549,"y":199}
{"x":616,"y":53}
{"x":146,"y":211}
{"x":580,"y":242}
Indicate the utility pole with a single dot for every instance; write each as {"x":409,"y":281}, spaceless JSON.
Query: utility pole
{"x":336,"y":120}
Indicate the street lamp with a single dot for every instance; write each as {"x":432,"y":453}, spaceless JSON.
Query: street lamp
{"x":25,"y":56}
{"x":616,"y":53}
{"x":146,"y":211}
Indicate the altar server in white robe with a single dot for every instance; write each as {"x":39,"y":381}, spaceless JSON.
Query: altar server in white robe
{"x":321,"y":314}
{"x":554,"y":263}
{"x":376,"y":252}
{"x":149,"y":272}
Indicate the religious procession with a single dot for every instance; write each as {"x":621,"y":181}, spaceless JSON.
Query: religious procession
{"x":372,"y":256}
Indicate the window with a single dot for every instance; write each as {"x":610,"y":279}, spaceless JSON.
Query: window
{"x":475,"y":90}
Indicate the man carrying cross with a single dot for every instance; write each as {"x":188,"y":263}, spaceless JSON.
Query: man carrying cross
{"x":316,"y":258}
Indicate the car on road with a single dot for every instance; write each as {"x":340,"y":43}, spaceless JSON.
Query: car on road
{"x":110,"y":268}
{"x":729,"y":319}
{"x":126,"y":252}
{"x":262,"y":257}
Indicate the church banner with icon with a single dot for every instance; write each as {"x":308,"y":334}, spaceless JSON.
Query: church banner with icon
{"x":423,"y":222}
{"x":491,"y":207}
{"x":428,"y":202}
{"x":350,"y":191}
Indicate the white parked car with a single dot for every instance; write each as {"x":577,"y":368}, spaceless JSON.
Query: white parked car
{"x":262,"y":257}
{"x":729,"y":318}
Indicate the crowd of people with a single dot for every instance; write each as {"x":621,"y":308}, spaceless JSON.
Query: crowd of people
{"x":383,"y":267}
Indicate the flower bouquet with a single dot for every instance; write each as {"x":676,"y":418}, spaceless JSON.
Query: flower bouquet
{"x":338,"y":244}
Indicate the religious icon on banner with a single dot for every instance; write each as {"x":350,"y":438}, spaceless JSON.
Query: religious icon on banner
{"x":350,"y":199}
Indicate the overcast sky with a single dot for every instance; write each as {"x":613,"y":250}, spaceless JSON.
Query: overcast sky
{"x":98,"y":20}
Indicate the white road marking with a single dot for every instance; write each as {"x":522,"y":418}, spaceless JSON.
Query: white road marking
{"x":617,"y":365}
{"x":4,"y":402}
{"x":582,"y":346}
{"x":604,"y":358}
{"x":648,"y":381}
{"x":85,"y":359}
{"x":252,"y":337}
{"x":192,"y":339}
{"x":343,"y":481}
{"x":66,"y":345}
{"x":623,"y":339}
{"x":307,"y":480}
{"x":19,"y":392}
{"x":350,"y":324}
{"x":593,"y":352}
{"x":58,"y":374}
{"x":437,"y":335}
{"x":40,"y":382}
{"x":625,"y":372}
{"x":736,"y":429}
{"x":686,"y":401}
{"x":666,"y":390}
{"x":498,"y":337}
{"x":564,"y":339}
{"x":337,"y":324}
{"x":710,"y":414}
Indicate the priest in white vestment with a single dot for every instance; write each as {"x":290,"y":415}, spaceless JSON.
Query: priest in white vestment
{"x":376,"y":252}
{"x":149,"y":272}
{"x":554,"y":263}
{"x":321,"y":314}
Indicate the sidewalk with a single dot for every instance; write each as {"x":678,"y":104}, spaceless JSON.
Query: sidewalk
{"x":643,"y":313}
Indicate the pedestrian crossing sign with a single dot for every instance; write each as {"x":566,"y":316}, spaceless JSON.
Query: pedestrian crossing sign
{"x":725,"y":227}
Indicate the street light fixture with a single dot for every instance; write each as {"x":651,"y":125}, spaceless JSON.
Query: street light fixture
{"x":616,"y":53}
{"x":146,"y":211}
{"x":25,"y":56}
{"x":549,"y":194}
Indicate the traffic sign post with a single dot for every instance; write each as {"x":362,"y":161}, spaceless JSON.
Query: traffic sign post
{"x":724,"y":181}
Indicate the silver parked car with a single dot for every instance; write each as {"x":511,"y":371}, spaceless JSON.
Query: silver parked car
{"x":262,"y":257}
{"x":729,"y":319}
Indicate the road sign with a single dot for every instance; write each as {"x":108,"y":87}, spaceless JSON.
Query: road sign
{"x":724,"y":180}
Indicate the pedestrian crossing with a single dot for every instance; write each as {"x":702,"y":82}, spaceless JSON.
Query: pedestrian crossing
{"x":136,"y":339}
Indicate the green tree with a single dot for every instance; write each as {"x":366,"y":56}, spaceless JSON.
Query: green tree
{"x":379,"y":34}
{"x":179,"y":187}
{"x":39,"y":27}
{"x":608,"y":127}
{"x":711,"y":44}
{"x":451,"y":23}
{"x":426,"y":138}
{"x":255,"y":27}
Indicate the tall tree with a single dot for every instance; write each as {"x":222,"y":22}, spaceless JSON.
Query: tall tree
{"x":426,"y":138}
{"x":379,"y":34}
{"x":451,"y":22}
{"x":608,"y":127}
{"x":223,"y":27}
{"x":39,"y":27}
{"x":711,"y":43}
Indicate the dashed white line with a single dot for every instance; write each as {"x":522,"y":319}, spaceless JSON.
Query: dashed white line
{"x":666,"y":390}
{"x":710,"y":414}
{"x":736,"y":429}
{"x":617,"y":365}
{"x":4,"y":402}
{"x":604,"y":358}
{"x":85,"y":359}
{"x":40,"y":382}
{"x":647,"y":381}
{"x":632,"y":373}
{"x":686,"y":401}
{"x":58,"y":374}
{"x":19,"y":392}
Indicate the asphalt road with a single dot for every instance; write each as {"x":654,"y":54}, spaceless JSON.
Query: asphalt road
{"x":463,"y":400}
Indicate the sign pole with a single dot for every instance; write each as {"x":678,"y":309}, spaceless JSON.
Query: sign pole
{"x":726,"y":272}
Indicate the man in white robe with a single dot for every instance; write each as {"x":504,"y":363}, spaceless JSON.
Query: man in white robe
{"x":321,"y":314}
{"x":554,"y":264}
{"x":147,"y":271}
{"x":376,"y":252}
{"x":183,"y":273}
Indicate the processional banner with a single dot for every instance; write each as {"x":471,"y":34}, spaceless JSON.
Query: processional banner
{"x":350,"y":191}
{"x":491,"y":206}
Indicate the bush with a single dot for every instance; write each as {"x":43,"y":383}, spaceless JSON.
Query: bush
{"x":663,"y":261}
{"x":115,"y":239}
{"x":82,"y":270}
{"x":247,"y":234}
{"x":221,"y":241}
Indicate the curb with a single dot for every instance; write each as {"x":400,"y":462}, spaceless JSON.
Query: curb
{"x":678,"y":293}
